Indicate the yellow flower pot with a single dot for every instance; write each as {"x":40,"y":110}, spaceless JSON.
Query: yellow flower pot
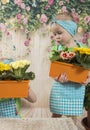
{"x":14,"y":89}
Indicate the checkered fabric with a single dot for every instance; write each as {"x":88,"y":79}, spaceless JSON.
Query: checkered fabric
{"x":8,"y":108}
{"x":67,"y":98}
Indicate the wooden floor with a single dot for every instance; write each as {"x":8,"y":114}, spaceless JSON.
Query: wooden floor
{"x":28,"y":111}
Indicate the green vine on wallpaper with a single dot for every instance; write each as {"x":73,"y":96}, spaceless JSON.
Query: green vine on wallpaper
{"x":29,"y":15}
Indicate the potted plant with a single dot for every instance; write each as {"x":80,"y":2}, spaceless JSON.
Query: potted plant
{"x":14,"y":79}
{"x":73,"y":61}
{"x":86,"y":120}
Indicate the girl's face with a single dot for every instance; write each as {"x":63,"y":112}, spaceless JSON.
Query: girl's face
{"x":61,"y":35}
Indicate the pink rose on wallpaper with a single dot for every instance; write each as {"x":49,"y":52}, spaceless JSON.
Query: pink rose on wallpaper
{"x":27,"y":42}
{"x":64,"y":9}
{"x":76,"y":17}
{"x":18,"y":2}
{"x":22,"y":5}
{"x":61,"y":3}
{"x":19,"y":16}
{"x":73,"y":10}
{"x":83,"y":40}
{"x":28,"y":8}
{"x":50,"y":2}
{"x":47,"y":7}
{"x":2,"y":27}
{"x":67,"y":1}
{"x":26,"y":31}
{"x":8,"y":33}
{"x":25,"y":20}
{"x":43,"y":18}
{"x":87,"y":19}
{"x":82,"y":0}
{"x":21,"y":27}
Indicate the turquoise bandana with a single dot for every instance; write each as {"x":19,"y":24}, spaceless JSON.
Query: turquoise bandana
{"x":68,"y":25}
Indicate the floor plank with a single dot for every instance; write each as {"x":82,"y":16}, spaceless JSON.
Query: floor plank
{"x":28,"y":111}
{"x":37,"y":124}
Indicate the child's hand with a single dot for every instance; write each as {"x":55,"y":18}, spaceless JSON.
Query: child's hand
{"x":62,"y":78}
{"x":87,"y":80}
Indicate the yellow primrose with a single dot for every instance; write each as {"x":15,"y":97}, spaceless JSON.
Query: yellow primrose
{"x":38,"y":16}
{"x":5,"y":1}
{"x":82,"y":50}
{"x":17,"y":70}
{"x":4,"y":67}
{"x":80,"y":29}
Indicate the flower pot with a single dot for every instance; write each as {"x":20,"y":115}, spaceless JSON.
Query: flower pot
{"x":14,"y":89}
{"x":74,"y":73}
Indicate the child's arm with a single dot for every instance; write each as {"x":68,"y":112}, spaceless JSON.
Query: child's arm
{"x":31,"y":96}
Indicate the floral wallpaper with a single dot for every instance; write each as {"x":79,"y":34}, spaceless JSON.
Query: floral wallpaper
{"x":29,"y":15}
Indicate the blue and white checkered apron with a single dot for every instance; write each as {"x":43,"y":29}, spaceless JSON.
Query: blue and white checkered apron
{"x":8,"y":109}
{"x":67,"y":98}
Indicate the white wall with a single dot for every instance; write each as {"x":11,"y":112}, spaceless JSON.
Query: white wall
{"x":39,"y":60}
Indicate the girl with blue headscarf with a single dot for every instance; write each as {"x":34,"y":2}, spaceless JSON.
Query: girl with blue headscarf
{"x":66,"y":97}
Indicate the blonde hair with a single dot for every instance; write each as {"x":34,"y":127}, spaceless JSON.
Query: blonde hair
{"x":64,"y":16}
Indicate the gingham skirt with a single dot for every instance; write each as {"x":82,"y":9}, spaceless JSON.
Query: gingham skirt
{"x":8,"y":109}
{"x":67,"y":98}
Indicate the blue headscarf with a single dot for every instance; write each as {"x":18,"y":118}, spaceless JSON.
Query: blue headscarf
{"x":68,"y":25}
{"x":8,"y":61}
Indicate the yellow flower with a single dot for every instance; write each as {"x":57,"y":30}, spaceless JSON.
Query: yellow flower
{"x":19,"y":64}
{"x":5,"y":1}
{"x":38,"y":16}
{"x":82,"y":50}
{"x":59,"y":11}
{"x":80,"y":30}
{"x":4,"y":67}
{"x":48,"y":28}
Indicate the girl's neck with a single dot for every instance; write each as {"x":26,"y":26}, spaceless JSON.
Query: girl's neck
{"x":70,"y":44}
